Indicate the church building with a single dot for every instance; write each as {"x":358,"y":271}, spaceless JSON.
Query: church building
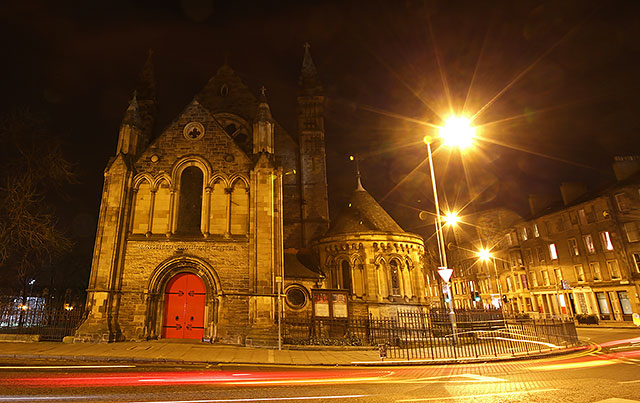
{"x":211,"y":226}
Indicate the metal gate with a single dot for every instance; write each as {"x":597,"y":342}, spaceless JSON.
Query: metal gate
{"x":184,"y":303}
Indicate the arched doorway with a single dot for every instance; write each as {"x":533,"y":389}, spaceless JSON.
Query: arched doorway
{"x":184,"y":305}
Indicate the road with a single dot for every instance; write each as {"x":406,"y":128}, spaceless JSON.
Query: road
{"x":609,"y":369}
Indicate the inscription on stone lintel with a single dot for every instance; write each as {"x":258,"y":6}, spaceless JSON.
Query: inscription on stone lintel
{"x":187,"y":246}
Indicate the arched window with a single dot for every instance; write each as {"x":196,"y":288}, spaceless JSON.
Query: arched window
{"x":141,"y":206}
{"x":358,"y":278}
{"x":190,"y":210}
{"x":160,"y":223}
{"x":239,"y":208}
{"x":394,"y":271}
{"x":346,"y":275}
{"x":218,"y":214}
{"x":383,"y":279}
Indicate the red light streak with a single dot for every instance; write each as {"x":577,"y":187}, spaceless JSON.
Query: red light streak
{"x":199,"y":377}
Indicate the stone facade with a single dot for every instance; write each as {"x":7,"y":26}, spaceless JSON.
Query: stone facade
{"x":367,"y":255}
{"x":220,"y":193}
{"x":577,"y":256}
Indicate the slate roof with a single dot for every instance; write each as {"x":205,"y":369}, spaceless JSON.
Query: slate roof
{"x":301,"y":264}
{"x":363,"y":214}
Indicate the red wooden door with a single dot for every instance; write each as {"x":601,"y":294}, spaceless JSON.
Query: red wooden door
{"x":184,"y":302}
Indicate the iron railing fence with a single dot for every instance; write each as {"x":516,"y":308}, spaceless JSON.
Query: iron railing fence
{"x":430,"y":335}
{"x":34,"y":316}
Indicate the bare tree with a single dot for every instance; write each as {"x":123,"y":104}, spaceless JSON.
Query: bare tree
{"x":32,"y":169}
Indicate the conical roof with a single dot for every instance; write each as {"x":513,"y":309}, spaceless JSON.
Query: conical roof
{"x":132,"y":114}
{"x":363,"y":214}
{"x":146,"y":86}
{"x":264,"y":112}
{"x":309,"y":82}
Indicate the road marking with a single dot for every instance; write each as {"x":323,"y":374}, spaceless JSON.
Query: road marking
{"x":473,"y":396}
{"x":636,"y":381}
{"x":66,"y":366}
{"x":483,"y":378}
{"x":262,"y":399}
{"x":572,"y":365}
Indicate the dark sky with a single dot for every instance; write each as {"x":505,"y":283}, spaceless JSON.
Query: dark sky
{"x":565,"y":71}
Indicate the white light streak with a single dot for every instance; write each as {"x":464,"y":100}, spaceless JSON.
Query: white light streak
{"x":427,"y":399}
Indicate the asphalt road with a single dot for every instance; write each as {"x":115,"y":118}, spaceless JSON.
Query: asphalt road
{"x":609,"y":369}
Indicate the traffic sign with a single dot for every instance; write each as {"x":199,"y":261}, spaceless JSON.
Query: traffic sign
{"x":636,"y":319}
{"x":445,"y":273}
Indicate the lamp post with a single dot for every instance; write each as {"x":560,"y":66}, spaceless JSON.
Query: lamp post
{"x":457,"y":132}
{"x":486,"y":255}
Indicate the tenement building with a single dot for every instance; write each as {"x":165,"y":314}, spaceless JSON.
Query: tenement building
{"x":577,"y":256}
{"x":211,"y":226}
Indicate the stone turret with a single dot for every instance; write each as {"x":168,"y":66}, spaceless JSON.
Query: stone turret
{"x":263,"y":127}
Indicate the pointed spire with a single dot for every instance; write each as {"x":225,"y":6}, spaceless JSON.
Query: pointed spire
{"x":132,"y":115}
{"x":356,"y":158}
{"x":264,"y":112}
{"x":263,"y":126}
{"x":309,"y":82}
{"x":146,"y":80}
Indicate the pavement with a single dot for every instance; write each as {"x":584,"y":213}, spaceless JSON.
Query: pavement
{"x":188,"y":352}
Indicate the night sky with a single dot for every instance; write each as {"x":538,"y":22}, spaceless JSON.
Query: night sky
{"x":556,"y":83}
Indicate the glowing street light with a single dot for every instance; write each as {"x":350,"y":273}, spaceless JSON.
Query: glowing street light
{"x":451,"y":218}
{"x":485,"y":255}
{"x":458,"y":132}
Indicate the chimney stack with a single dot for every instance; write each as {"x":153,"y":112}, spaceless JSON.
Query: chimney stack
{"x":538,"y":202}
{"x":625,"y":165}
{"x":571,"y":191}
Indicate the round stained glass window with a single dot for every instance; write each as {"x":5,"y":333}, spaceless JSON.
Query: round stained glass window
{"x":296,"y":297}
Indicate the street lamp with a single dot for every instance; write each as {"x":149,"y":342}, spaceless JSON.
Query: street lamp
{"x":456,"y":132}
{"x":486,"y":255}
{"x":451,"y":218}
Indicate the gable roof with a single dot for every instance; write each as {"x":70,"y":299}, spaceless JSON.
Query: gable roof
{"x":225,"y":92}
{"x":363,"y":214}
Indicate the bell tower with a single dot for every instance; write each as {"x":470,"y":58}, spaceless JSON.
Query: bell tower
{"x":313,"y":170}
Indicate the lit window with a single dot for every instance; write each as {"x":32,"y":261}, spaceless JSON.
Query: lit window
{"x":621,"y":201}
{"x":573,"y":247}
{"x":636,"y":260}
{"x":536,"y":233}
{"x":545,"y":277}
{"x":579,"y":273}
{"x":614,"y":269}
{"x":528,"y":256}
{"x":588,"y":243}
{"x":558,"y":273}
{"x":631,"y":229}
{"x":582,"y":217}
{"x":606,"y":240}
{"x":509,"y":240}
{"x":525,"y":234}
{"x":552,"y":251}
{"x":534,"y":279}
{"x":595,"y":270}
{"x":509,"y":284}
